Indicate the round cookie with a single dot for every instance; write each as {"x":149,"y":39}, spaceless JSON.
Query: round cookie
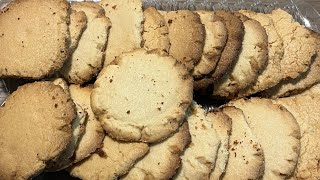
{"x":142,"y":97}
{"x":230,"y":52}
{"x":186,"y":35}
{"x":216,"y":38}
{"x":223,"y":125}
{"x":114,"y":159}
{"x":299,"y":44}
{"x":304,"y":108}
{"x":155,"y":31}
{"x":252,"y":59}
{"x":200,"y":156}
{"x":87,"y":59}
{"x":34,"y":129}
{"x":278,"y":133}
{"x":78,"y":24}
{"x":272,"y":74}
{"x":245,"y":150}
{"x":94,"y":134}
{"x":31,"y":48}
{"x":163,"y":158}
{"x":302,"y":82}
{"x":127,"y":19}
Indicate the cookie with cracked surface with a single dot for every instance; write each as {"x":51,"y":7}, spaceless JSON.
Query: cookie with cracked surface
{"x":223,"y":125}
{"x":49,"y":112}
{"x":87,"y":59}
{"x":304,"y":108}
{"x":163,"y":158}
{"x":186,"y":35}
{"x":94,"y":133}
{"x":127,"y":19}
{"x":272,"y":74}
{"x":31,"y":48}
{"x":155,"y":31}
{"x":299,"y":44}
{"x":252,"y":59}
{"x":135,"y":103}
{"x":200,"y":156}
{"x":230,"y":53}
{"x":245,"y":149}
{"x":216,"y":38}
{"x":278,"y":133}
{"x":113,"y":160}
{"x":78,"y":23}
{"x":302,"y":82}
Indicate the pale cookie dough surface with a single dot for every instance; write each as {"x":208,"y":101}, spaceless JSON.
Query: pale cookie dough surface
{"x":78,"y":23}
{"x":246,"y":159}
{"x":223,"y":125}
{"x":155,"y":31}
{"x":299,"y":44}
{"x":251,"y":61}
{"x":113,"y":160}
{"x":302,"y":82}
{"x":272,"y":74}
{"x":278,"y":133}
{"x":127,"y":19}
{"x":230,"y":52}
{"x":87,"y":60}
{"x":200,"y":156}
{"x":94,"y":133}
{"x":304,"y":108}
{"x":143,"y":96}
{"x":163,"y":158}
{"x":216,"y":38}
{"x":31,"y":48}
{"x":186,"y":35}
{"x":34,"y":129}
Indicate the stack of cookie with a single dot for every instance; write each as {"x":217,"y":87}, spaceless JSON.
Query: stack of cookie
{"x":112,"y":87}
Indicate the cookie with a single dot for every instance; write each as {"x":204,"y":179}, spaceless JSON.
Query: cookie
{"x":302,"y":82}
{"x":200,"y":156}
{"x":40,"y":114}
{"x":216,"y":38}
{"x":252,"y":59}
{"x":94,"y":134}
{"x":135,"y":103}
{"x":299,"y":44}
{"x":155,"y":31}
{"x":304,"y":108}
{"x":223,"y":125}
{"x":245,"y":150}
{"x":78,"y":23}
{"x":278,"y":133}
{"x":31,"y":48}
{"x":230,"y":52}
{"x":87,"y":60}
{"x":126,"y":17}
{"x":163,"y":158}
{"x":113,"y":160}
{"x":272,"y":74}
{"x":186,"y":35}
{"x":65,"y":159}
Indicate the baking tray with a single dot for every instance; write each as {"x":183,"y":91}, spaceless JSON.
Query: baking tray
{"x":301,"y":11}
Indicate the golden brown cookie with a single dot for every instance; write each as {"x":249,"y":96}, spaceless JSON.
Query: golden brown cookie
{"x":127,"y":19}
{"x":216,"y":38}
{"x":155,"y":31}
{"x":186,"y":35}
{"x":230,"y":52}
{"x":33,"y":48}
{"x":35,"y":127}
{"x":142,"y":97}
